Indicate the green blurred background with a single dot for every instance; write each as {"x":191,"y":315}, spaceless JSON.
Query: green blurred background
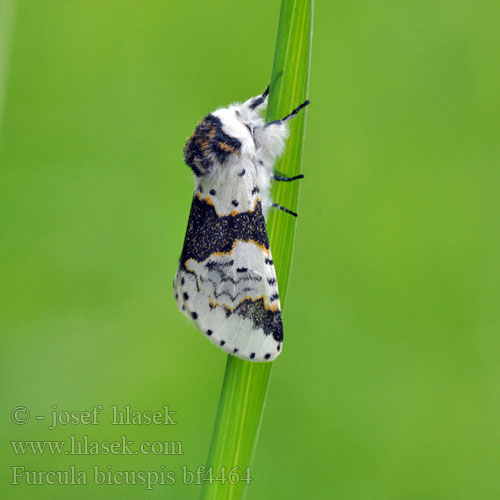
{"x":388,"y":387}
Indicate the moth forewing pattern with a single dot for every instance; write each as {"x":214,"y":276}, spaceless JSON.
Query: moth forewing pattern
{"x":226,"y":281}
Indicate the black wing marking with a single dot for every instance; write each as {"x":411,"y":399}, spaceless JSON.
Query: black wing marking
{"x":208,"y":233}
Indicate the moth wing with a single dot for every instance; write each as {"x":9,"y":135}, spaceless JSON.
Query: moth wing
{"x":226,"y":282}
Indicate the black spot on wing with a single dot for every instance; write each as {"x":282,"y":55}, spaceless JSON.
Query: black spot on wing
{"x":208,"y":233}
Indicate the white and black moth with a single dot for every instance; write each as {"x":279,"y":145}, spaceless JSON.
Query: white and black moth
{"x":226,"y":282}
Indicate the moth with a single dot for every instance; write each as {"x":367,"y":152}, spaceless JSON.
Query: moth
{"x":226,"y":281}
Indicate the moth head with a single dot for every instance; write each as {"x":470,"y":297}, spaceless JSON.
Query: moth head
{"x":209,"y":145}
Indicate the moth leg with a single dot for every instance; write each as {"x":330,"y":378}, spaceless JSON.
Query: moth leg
{"x":275,"y":205}
{"x":291,"y":115}
{"x":270,"y":138}
{"x":287,"y":179}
